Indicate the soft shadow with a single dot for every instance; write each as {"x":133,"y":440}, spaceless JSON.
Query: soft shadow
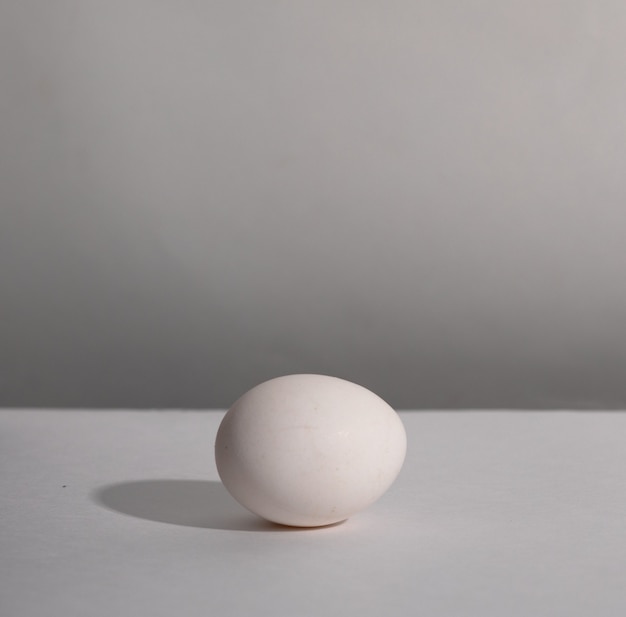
{"x":192,"y":503}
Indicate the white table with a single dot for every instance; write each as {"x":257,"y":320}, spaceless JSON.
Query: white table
{"x":115,"y":513}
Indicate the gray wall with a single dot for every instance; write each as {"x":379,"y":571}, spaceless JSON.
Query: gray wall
{"x":428,"y":198}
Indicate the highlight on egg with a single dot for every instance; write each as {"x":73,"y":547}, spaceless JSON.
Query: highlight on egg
{"x":309,"y":450}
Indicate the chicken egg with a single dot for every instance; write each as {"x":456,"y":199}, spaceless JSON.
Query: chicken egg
{"x":309,"y":450}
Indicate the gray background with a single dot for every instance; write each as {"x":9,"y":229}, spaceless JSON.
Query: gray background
{"x":427,"y":198}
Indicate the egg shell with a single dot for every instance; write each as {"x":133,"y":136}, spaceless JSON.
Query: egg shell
{"x":309,"y":450}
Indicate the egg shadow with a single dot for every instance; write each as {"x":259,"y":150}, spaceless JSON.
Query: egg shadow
{"x":190,"y":503}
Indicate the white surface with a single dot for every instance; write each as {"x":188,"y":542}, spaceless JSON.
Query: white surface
{"x":494,"y":514}
{"x":309,"y":450}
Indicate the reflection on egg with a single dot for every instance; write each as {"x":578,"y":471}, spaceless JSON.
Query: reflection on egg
{"x":309,"y":450}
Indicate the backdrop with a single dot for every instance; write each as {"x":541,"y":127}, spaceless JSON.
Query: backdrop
{"x":427,"y":198}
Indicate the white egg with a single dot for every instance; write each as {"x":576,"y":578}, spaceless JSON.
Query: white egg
{"x":309,"y":450}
